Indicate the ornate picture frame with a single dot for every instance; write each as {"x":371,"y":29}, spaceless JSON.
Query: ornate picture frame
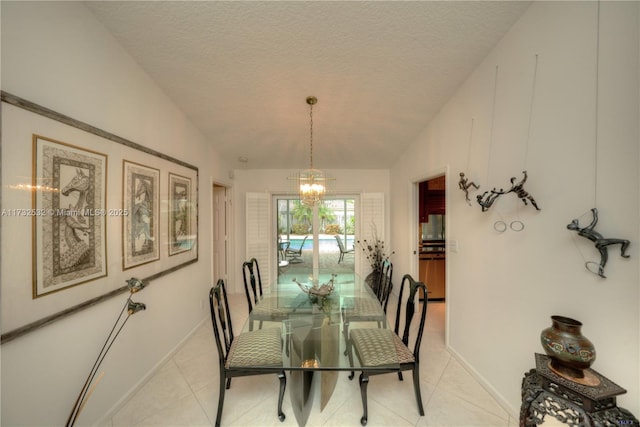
{"x":69,"y":187}
{"x":141,"y":223}
{"x":182,"y":233}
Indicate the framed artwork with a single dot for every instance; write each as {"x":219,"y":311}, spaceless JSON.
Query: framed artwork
{"x":141,"y":193}
{"x":182,"y":233}
{"x":69,"y":227}
{"x":60,"y":201}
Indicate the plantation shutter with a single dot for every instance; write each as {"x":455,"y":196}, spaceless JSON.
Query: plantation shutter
{"x":257,"y":233}
{"x":371,"y":222}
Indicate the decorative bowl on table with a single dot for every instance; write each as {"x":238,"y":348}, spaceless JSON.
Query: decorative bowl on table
{"x":318,"y":291}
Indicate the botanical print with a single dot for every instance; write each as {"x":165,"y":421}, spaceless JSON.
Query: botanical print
{"x":181,"y":238}
{"x":68,"y":226}
{"x":141,"y":202}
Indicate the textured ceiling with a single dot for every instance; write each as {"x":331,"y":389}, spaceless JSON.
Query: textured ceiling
{"x":241,"y":71}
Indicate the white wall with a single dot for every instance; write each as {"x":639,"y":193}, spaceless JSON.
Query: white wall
{"x":502,"y":288}
{"x":59,"y":56}
{"x":275,"y":181}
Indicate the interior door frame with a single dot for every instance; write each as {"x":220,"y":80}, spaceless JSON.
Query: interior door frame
{"x":228,"y":226}
{"x":413,"y":230}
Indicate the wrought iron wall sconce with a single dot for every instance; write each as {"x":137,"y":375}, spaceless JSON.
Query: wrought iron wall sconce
{"x":131,"y":308}
{"x":600,"y":242}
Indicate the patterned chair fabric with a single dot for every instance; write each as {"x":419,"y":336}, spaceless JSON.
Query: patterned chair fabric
{"x":366,"y":309}
{"x":368,"y":342}
{"x":256,"y":348}
{"x":260,"y":308}
{"x":373,"y":349}
{"x":269,"y":309}
{"x":236,"y":355}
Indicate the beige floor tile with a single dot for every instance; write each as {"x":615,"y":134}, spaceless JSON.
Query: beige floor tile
{"x":200,"y":371}
{"x":449,"y":410}
{"x":458,"y":381}
{"x":183,"y":412}
{"x":163,"y":389}
{"x":200,"y":343}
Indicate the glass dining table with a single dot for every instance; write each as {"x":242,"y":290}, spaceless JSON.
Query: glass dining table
{"x":314,"y":330}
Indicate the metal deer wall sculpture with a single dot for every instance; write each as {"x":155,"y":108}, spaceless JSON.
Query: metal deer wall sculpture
{"x":486,"y":199}
{"x":601,"y":243}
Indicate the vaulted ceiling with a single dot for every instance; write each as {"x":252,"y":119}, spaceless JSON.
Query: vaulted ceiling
{"x":241,"y":71}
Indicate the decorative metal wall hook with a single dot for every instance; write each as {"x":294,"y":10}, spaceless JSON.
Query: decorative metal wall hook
{"x":487,"y":198}
{"x":600,"y":242}
{"x":464,"y":185}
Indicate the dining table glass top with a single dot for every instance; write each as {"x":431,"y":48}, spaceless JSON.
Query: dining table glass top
{"x":315,"y":324}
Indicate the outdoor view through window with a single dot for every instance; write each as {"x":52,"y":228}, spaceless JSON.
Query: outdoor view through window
{"x":295,"y":243}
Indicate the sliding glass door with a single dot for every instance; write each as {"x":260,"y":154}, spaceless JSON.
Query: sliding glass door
{"x":295,"y":237}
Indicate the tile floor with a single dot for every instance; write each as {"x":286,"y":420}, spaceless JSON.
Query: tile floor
{"x":184,"y":392}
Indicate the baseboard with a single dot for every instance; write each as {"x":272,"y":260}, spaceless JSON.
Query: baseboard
{"x":120,"y":403}
{"x":511,"y":411}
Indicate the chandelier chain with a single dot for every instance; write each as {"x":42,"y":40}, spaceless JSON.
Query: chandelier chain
{"x":311,"y":136}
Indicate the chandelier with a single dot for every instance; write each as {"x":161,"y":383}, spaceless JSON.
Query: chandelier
{"x":312,"y":183}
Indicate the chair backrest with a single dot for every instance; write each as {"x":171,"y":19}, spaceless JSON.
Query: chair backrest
{"x":409,"y":312}
{"x":384,"y":286}
{"x":340,"y":244}
{"x":302,"y":243}
{"x":221,"y":320}
{"x":252,"y":286}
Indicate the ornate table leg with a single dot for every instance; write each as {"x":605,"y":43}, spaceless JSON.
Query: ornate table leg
{"x":531,"y":388}
{"x":614,"y":417}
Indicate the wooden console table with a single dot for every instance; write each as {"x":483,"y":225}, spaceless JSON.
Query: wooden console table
{"x":590,"y":405}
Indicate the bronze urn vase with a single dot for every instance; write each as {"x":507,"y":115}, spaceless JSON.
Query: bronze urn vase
{"x":570,"y":352}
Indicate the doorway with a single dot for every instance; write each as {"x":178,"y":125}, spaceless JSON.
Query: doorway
{"x":432,"y":236}
{"x":220,"y":232}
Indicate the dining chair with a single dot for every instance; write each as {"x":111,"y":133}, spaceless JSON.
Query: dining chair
{"x":368,"y":310}
{"x":252,"y":286}
{"x":371,"y":344}
{"x":260,"y":308}
{"x":295,"y":254}
{"x":239,"y":356}
{"x":343,"y":250}
{"x":384,"y":285}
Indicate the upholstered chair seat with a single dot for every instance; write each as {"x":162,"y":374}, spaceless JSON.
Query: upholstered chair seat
{"x":369,"y":341}
{"x":256,"y":348}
